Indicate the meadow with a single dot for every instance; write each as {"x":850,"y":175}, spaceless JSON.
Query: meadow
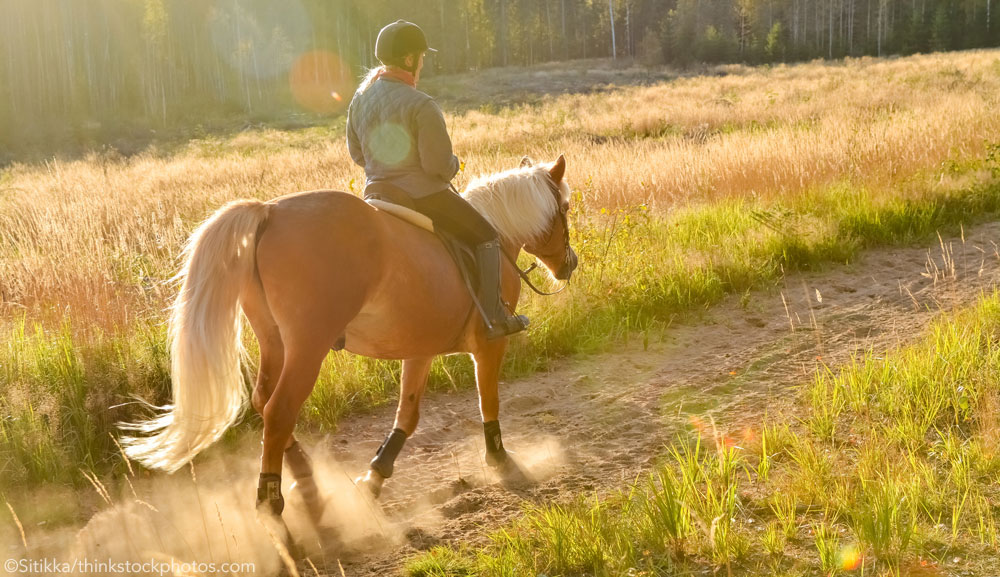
{"x":684,"y":191}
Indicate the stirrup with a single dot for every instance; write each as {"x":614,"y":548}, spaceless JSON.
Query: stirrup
{"x":508,"y":326}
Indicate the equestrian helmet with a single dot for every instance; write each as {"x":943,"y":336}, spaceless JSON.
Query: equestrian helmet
{"x":399,"y":39}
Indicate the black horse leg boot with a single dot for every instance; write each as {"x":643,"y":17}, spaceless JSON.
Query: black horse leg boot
{"x":269,"y":497}
{"x":381,"y":466}
{"x":499,"y":324}
{"x":386,"y":455}
{"x":496,"y":455}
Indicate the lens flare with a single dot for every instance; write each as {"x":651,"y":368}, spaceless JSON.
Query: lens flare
{"x":317,"y":80}
{"x":699,"y":425}
{"x":850,"y":558}
{"x":709,"y":430}
{"x":390,"y":143}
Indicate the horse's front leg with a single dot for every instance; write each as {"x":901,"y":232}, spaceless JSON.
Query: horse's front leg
{"x":411,"y":390}
{"x":488,"y":362}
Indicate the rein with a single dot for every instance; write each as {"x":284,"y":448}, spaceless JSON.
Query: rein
{"x":524,"y":276}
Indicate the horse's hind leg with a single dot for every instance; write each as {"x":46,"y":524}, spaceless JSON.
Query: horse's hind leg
{"x":298,"y":375}
{"x":411,"y":390}
{"x":272,"y":359}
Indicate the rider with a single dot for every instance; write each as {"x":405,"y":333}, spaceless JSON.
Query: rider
{"x":398,"y":135}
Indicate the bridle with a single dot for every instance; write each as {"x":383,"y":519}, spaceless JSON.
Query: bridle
{"x":566,"y":256}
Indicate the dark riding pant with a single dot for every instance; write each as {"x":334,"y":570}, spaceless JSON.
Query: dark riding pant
{"x":452,"y":213}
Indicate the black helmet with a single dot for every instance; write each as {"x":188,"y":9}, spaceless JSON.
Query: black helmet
{"x":398,"y":39}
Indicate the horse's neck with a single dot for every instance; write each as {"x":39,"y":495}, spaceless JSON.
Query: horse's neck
{"x":511,"y":249}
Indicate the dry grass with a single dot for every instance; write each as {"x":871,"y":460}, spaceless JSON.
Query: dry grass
{"x":759,"y":132}
{"x":97,"y":237}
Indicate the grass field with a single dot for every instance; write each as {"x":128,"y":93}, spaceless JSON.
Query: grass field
{"x":894,"y":469}
{"x":684,"y":191}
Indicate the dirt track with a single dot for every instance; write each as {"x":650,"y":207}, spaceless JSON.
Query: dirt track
{"x":591,"y":424}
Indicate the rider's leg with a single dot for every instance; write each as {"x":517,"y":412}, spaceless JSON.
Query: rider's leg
{"x":452,"y":213}
{"x":500,"y":323}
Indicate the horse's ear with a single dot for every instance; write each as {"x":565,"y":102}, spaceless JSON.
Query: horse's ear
{"x":558,"y":169}
{"x":526,"y":162}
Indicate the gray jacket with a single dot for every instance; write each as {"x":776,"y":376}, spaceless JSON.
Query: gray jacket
{"x":398,"y":135}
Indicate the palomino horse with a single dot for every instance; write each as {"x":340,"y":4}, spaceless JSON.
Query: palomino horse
{"x":319,"y":270}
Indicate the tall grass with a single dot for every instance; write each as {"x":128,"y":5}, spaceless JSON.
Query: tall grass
{"x":107,"y":230}
{"x":683,"y":192}
{"x":865,"y":497}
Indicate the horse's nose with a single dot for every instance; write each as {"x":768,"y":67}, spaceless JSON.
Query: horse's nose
{"x":566,"y":271}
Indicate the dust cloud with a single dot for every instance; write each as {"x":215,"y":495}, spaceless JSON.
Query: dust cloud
{"x":206,"y":518}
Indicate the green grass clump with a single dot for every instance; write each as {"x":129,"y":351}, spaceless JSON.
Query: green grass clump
{"x":884,"y":518}
{"x":907,"y":475}
{"x":440,"y":562}
{"x":63,"y":396}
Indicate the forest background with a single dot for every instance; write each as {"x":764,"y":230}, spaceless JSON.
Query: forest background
{"x":74,"y":75}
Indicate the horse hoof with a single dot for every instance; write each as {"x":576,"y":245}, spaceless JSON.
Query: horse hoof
{"x":271,"y":508}
{"x":311,"y":499}
{"x":371,"y":483}
{"x":497,"y":460}
{"x":277,"y":530}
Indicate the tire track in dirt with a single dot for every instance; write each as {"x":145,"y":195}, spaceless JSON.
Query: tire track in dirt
{"x":595,"y":423}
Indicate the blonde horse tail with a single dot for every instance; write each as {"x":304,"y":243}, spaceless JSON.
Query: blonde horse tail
{"x":205,"y":344}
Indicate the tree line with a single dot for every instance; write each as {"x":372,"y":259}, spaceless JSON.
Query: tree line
{"x":75,"y":67}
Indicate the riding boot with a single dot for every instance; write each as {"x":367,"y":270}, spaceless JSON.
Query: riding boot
{"x":498,"y":322}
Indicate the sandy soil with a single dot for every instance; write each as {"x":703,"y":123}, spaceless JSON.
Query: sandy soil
{"x":590,"y":424}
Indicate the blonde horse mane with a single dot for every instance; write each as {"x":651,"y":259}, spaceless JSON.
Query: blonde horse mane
{"x":518,"y":202}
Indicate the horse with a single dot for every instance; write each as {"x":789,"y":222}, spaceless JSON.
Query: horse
{"x":321,"y":270}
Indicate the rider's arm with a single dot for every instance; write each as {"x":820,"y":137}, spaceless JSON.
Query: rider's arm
{"x":353,"y":142}
{"x":434,"y":144}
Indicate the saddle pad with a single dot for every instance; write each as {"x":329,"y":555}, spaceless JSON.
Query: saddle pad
{"x":409,"y":215}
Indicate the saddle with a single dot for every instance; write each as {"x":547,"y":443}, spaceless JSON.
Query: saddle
{"x":395,"y":201}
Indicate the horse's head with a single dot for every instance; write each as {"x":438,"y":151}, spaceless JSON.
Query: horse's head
{"x":528,"y":206}
{"x":552,"y":247}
